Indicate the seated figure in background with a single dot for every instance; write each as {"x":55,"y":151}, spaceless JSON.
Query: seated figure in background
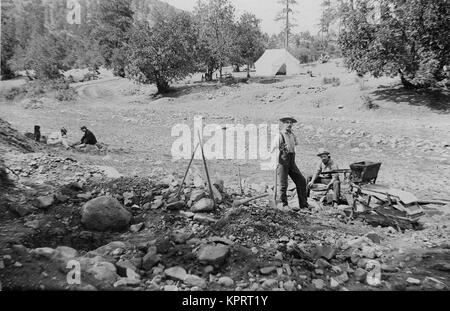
{"x":330,"y":180}
{"x":57,"y":138}
{"x":87,"y":139}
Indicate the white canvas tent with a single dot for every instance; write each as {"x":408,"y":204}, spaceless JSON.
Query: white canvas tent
{"x":277,"y":61}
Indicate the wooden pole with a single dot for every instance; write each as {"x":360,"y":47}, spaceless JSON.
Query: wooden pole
{"x":240,"y":180}
{"x":187,"y":170}
{"x":206,"y":170}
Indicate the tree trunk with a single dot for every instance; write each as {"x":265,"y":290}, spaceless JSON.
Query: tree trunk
{"x":406,"y":83}
{"x":163,"y":86}
{"x":209,"y":73}
{"x":248,"y":70}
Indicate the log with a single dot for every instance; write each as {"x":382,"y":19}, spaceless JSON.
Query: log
{"x":245,"y":201}
{"x":426,"y":202}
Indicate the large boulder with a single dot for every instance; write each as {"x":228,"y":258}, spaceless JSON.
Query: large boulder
{"x":105,"y":214}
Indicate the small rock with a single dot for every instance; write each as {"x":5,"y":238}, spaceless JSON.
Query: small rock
{"x":204,"y":205}
{"x":204,"y":219}
{"x":187,"y":214}
{"x":65,"y":253}
{"x":157,"y":204}
{"x":333,"y":283}
{"x":21,"y":210}
{"x":210,"y":254}
{"x":368,"y":252}
{"x":375,"y":238}
{"x":217,"y":195}
{"x":219,"y":183}
{"x":322,"y":263}
{"x":150,"y":260}
{"x":267,"y":270}
{"x":127,"y":282}
{"x":279,"y":256}
{"x":178,"y":273}
{"x":136,"y":228}
{"x":84,"y":196}
{"x":170,"y":288}
{"x":193,"y":280}
{"x":328,"y":252}
{"x":343,"y":278}
{"x":226,"y":281}
{"x":388,"y":268}
{"x":318,"y":284}
{"x":17,"y":264}
{"x":413,"y":281}
{"x":360,"y":274}
{"x":104,"y":271}
{"x":123,"y":266}
{"x":289,"y":286}
{"x":45,"y":202}
{"x":318,"y":271}
{"x":180,"y":236}
{"x":197,"y":194}
{"x":269,"y":284}
{"x":33,"y":224}
{"x":46,"y":252}
{"x":373,"y":278}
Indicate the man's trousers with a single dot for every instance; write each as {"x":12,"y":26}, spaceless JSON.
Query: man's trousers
{"x":287,"y":167}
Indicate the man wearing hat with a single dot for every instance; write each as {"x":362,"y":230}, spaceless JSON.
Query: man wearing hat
{"x":321,"y":176}
{"x":286,"y":163}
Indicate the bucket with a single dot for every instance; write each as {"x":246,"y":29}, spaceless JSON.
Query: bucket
{"x":318,"y":191}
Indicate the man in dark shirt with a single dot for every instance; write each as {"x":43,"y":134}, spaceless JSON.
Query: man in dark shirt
{"x":87,"y":139}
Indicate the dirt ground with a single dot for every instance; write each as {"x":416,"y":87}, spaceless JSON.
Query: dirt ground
{"x":409,"y":133}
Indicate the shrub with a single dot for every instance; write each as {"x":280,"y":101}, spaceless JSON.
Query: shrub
{"x":14,"y":92}
{"x":35,"y":88}
{"x":66,"y":94}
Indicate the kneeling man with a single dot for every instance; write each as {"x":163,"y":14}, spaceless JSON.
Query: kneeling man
{"x":321,"y":176}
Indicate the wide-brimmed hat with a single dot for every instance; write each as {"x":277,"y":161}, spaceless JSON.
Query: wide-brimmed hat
{"x":323,"y":151}
{"x":286,"y":119}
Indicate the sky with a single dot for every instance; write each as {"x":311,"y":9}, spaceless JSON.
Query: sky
{"x":307,"y":12}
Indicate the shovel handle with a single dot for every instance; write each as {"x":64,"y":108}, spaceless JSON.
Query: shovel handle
{"x":187,"y":170}
{"x":244,"y":201}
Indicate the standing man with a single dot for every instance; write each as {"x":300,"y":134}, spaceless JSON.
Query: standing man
{"x":286,"y":163}
{"x":321,"y":176}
